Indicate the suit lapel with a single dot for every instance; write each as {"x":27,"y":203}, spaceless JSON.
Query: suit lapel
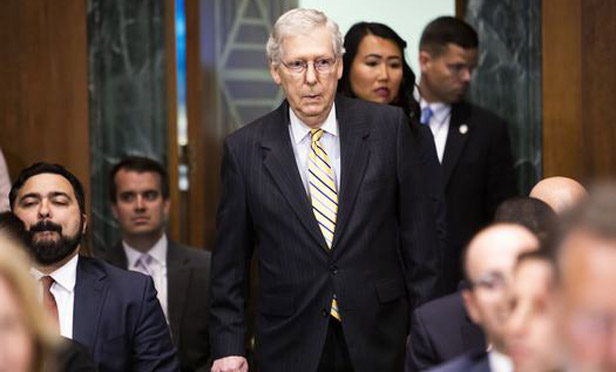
{"x":459,"y":129}
{"x":354,"y":156}
{"x":279,"y":160}
{"x":90,"y":293}
{"x":178,"y":279}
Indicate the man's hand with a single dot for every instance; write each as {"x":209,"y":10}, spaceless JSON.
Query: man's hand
{"x":230,"y":364}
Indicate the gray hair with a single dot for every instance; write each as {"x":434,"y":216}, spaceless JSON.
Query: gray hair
{"x":301,"y":21}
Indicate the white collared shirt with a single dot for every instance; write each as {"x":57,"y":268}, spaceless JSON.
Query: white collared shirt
{"x":300,"y":139}
{"x":499,"y":362}
{"x":63,"y":291}
{"x":439,"y":122}
{"x":158,"y":267}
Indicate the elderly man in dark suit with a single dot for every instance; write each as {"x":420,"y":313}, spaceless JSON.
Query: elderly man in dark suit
{"x":140,"y":203}
{"x":113,"y":313}
{"x":325,"y":192}
{"x":472,"y":144}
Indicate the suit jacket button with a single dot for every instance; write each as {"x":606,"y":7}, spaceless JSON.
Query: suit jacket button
{"x":324,"y":313}
{"x":333,"y":269}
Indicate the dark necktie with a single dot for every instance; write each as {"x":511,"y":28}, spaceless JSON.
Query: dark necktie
{"x":49,"y":301}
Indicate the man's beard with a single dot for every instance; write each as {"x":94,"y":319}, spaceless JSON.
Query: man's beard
{"x":47,"y":252}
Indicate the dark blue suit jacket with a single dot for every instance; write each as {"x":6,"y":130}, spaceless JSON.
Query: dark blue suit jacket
{"x":440,"y":331}
{"x":477,"y":362}
{"x":118,"y":318}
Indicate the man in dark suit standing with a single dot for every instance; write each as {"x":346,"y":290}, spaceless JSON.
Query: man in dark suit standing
{"x":112,"y":312}
{"x":325,"y":191}
{"x":472,"y":144}
{"x":140,"y":203}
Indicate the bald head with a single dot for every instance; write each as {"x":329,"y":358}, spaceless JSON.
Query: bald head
{"x":560,"y":193}
{"x":500,"y":243}
{"x":489,"y":262}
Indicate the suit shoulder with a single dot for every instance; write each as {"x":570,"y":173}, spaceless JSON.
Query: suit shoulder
{"x":252,"y":130}
{"x":483,"y":117}
{"x":441,"y":308}
{"x":200,"y":256}
{"x":125,"y":279}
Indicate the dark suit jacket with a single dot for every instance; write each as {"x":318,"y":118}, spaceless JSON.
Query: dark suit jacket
{"x":478,"y":175}
{"x":117,"y":317}
{"x":188,"y":277}
{"x":440,"y":331}
{"x":383,"y":257}
{"x":73,"y":357}
{"x":432,"y":176}
{"x":477,"y":362}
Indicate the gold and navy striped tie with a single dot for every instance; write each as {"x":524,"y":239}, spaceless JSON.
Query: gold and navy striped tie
{"x":323,"y":194}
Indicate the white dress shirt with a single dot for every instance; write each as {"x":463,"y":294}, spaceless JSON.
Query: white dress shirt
{"x":499,"y":362}
{"x":158,"y":268}
{"x":63,"y":291}
{"x":439,"y":124}
{"x":330,"y":141}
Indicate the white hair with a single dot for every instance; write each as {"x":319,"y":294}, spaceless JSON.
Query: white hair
{"x":301,"y":21}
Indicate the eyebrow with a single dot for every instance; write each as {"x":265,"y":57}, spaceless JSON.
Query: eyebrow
{"x":52,"y":194}
{"x":381,"y":56}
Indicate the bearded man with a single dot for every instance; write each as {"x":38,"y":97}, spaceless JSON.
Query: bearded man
{"x":114,"y":313}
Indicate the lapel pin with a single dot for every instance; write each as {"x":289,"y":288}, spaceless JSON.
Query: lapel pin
{"x":463,"y":129}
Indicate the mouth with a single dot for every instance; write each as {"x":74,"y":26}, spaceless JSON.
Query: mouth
{"x":312,"y":97}
{"x":140,"y":220}
{"x":382,"y":92}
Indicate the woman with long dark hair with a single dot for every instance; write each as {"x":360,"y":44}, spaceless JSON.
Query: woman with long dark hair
{"x":375,"y":69}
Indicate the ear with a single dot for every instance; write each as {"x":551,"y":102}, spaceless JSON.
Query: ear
{"x":275,"y":74}
{"x":114,"y":210}
{"x":471,"y":307}
{"x":340,"y":69}
{"x":424,"y":61}
{"x":85,"y":223}
{"x":167,"y":208}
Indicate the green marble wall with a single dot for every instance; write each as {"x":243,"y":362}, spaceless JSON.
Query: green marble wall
{"x":508,"y":79}
{"x":128,"y":108}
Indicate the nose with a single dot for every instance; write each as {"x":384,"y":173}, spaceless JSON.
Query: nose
{"x":44,"y":210}
{"x":383,"y":72}
{"x":311,"y":74}
{"x":466,"y":75}
{"x":139,"y":203}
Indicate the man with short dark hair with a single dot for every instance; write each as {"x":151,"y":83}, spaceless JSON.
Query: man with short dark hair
{"x":112,"y":312}
{"x":472,"y":144}
{"x":139,"y":194}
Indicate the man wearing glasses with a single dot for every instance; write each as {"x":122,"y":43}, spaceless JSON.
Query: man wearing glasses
{"x":326,"y":193}
{"x":489,"y":261}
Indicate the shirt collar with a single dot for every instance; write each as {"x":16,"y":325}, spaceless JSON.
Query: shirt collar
{"x":158,"y":252}
{"x":301,"y":130}
{"x":65,"y":276}
{"x":499,"y":362}
{"x":440,"y":110}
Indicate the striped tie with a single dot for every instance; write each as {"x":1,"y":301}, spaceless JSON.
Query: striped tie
{"x":323,"y":194}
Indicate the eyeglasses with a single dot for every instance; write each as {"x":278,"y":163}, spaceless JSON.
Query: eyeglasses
{"x":321,"y":65}
{"x":490,"y":281}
